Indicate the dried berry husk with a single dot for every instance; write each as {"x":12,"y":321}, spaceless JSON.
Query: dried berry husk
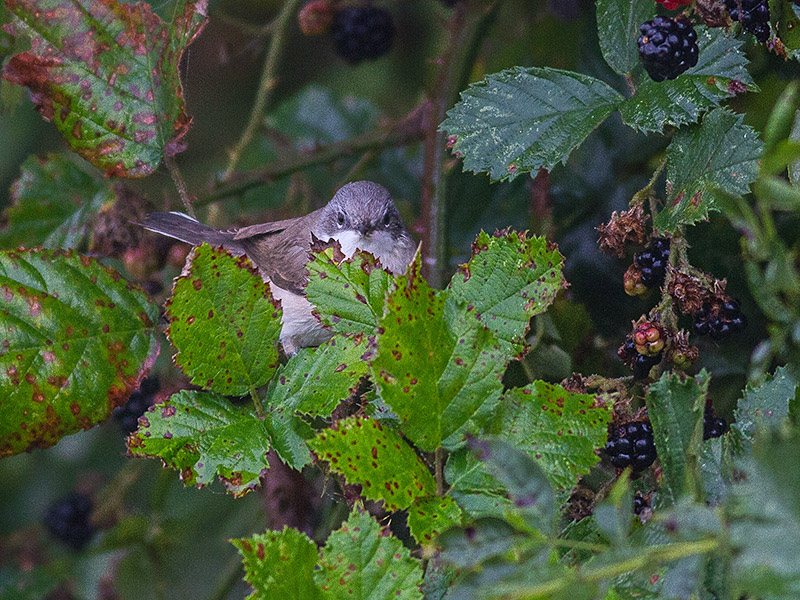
{"x":623,"y":229}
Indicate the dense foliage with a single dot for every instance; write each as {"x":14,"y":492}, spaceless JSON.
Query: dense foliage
{"x":584,"y":386}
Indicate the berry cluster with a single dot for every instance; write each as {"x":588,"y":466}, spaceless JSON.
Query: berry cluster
{"x":643,"y":349}
{"x":648,"y":338}
{"x":652,"y":262}
{"x":67,"y":519}
{"x":362,"y":32}
{"x":640,"y":363}
{"x":632,"y":445}
{"x":127,"y":415}
{"x":673,"y":4}
{"x":719,"y":318}
{"x":754,"y":16}
{"x":667,"y":47}
{"x":713,"y":426}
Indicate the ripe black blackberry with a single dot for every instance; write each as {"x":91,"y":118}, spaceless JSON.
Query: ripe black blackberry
{"x":719,"y":318}
{"x":667,"y":47}
{"x":362,"y":32}
{"x":713,"y":426}
{"x":754,"y":16}
{"x":631,"y":444}
{"x":652,"y":262}
{"x":67,"y":519}
{"x":127,"y":415}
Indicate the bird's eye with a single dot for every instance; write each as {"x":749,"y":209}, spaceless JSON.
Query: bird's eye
{"x":340,"y":220}
{"x":387,"y":220}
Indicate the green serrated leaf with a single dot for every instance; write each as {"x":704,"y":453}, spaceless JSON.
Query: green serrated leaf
{"x":559,"y":430}
{"x":473,"y":488}
{"x":719,"y":155}
{"x":426,"y":358}
{"x":280,"y":564}
{"x":77,"y":340}
{"x":509,"y":279}
{"x":202,"y":434}
{"x":676,"y":406}
{"x":521,"y":120}
{"x":359,"y":562}
{"x":764,"y":518}
{"x":348,"y":295}
{"x":54,"y":201}
{"x":429,"y":517}
{"x":224,"y":322}
{"x":288,"y":434}
{"x":316,"y":380}
{"x":766,"y":405}
{"x":378,"y":458}
{"x":618,"y":23}
{"x":107,"y":75}
{"x":785,"y":17}
{"x":720,"y":72}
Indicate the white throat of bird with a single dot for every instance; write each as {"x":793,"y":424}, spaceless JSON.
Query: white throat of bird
{"x":379,"y":243}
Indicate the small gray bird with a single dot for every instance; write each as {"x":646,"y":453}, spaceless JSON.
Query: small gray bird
{"x":360,"y":216}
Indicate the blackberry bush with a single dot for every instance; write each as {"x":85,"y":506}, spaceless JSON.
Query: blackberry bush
{"x":652,"y":263}
{"x":719,"y":318}
{"x":673,"y":4}
{"x":362,"y":32}
{"x":667,"y":47}
{"x":127,"y":415}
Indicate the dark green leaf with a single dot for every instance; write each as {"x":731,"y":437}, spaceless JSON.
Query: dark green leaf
{"x":202,"y":434}
{"x":509,"y":279}
{"x":719,"y":155}
{"x":527,"y":485}
{"x":54,"y":201}
{"x":107,"y":75}
{"x":765,"y":518}
{"x":348,"y":295}
{"x":224,"y":323}
{"x":77,"y":340}
{"x":559,"y":430}
{"x":434,"y":370}
{"x":618,"y":23}
{"x":378,"y":458}
{"x":676,"y":405}
{"x":360,"y":562}
{"x":720,"y":72}
{"x":766,"y":405}
{"x":280,"y":564}
{"x":474,"y":490}
{"x":485,"y":539}
{"x":520,"y":120}
{"x":429,"y":517}
{"x":288,"y":434}
{"x":316,"y":380}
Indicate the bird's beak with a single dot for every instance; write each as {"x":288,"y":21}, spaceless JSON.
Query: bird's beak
{"x":365,"y":229}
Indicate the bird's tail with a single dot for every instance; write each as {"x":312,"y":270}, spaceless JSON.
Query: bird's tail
{"x":186,"y":229}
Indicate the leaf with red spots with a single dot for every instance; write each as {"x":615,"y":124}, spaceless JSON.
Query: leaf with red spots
{"x":54,"y":201}
{"x":349,"y":295}
{"x":362,"y":562}
{"x":280,"y":564}
{"x":204,"y":435}
{"x":509,"y":279}
{"x":316,"y":380}
{"x":75,"y":341}
{"x":436,"y":367}
{"x":107,"y":75}
{"x":429,"y":517}
{"x":224,"y":323}
{"x":376,"y":457}
{"x":557,"y":429}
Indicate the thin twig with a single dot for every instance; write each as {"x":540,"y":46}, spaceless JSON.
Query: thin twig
{"x":468,"y":28}
{"x":180,"y":184}
{"x":266,"y":84}
{"x":257,"y":402}
{"x":401,"y":133}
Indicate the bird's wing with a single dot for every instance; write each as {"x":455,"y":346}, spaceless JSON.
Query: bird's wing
{"x":266,"y":228}
{"x":281,"y":255}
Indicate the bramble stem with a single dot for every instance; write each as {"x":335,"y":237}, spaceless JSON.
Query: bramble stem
{"x":257,"y":403}
{"x":402,"y":133}
{"x":180,"y":184}
{"x":467,"y":32}
{"x":266,"y":84}
{"x":438,"y":458}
